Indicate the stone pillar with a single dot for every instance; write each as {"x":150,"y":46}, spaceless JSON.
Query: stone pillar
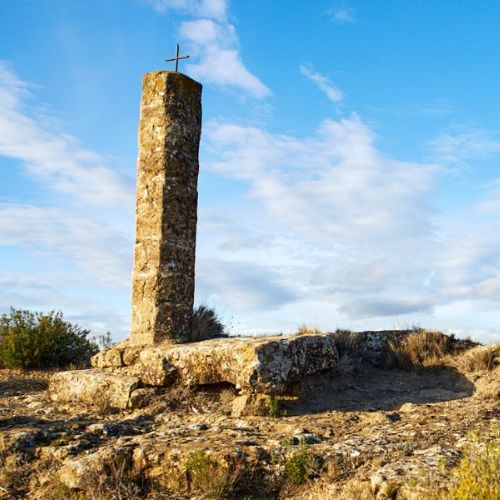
{"x":166,"y":215}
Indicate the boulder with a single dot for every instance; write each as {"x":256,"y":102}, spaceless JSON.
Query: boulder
{"x":93,"y":387}
{"x":268,"y":365}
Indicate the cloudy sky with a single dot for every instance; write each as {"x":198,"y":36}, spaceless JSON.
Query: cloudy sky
{"x":349,"y":163}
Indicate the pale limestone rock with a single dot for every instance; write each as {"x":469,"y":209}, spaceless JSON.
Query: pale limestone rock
{"x":250,"y":404}
{"x":269,"y":365}
{"x":154,"y":368}
{"x":82,"y":472}
{"x":92,"y":386}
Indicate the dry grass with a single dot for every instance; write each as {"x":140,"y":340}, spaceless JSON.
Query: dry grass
{"x":480,"y":358}
{"x":211,"y":477}
{"x":423,"y":348}
{"x":307,"y":330}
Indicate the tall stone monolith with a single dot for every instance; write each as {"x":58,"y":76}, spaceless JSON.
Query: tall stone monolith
{"x":166,"y":215}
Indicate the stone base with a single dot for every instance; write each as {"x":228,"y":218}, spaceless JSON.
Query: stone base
{"x":264,"y":365}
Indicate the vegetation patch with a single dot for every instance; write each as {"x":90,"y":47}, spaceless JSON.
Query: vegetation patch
{"x":211,"y":477}
{"x":206,"y":324}
{"x":298,"y":466}
{"x":274,"y":408}
{"x":423,"y":348}
{"x":37,"y":340}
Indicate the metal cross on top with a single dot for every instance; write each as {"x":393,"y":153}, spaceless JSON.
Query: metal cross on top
{"x":176,"y":59}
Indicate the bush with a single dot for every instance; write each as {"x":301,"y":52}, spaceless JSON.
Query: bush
{"x":38,"y":340}
{"x":298,"y":466}
{"x":206,"y":324}
{"x":477,"y":475}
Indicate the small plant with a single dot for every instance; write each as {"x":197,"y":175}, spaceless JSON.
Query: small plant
{"x":103,"y":341}
{"x":275,"y":410}
{"x":209,"y":476}
{"x":206,"y":324}
{"x":298,"y":466}
{"x":477,"y":475}
{"x":36,"y":340}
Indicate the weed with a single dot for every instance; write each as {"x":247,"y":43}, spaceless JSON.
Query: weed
{"x":306,"y":330}
{"x":275,"y":410}
{"x":226,"y":398}
{"x":298,"y":466}
{"x":477,"y":475}
{"x":211,"y":477}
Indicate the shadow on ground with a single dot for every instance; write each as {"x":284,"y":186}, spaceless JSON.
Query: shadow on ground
{"x":375,"y":389}
{"x":15,"y":386}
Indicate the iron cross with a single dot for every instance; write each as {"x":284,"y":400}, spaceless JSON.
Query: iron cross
{"x":176,"y":59}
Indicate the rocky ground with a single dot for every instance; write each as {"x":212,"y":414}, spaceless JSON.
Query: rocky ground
{"x":361,"y":432}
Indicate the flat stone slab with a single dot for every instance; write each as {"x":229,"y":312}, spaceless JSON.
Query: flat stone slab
{"x":93,"y":387}
{"x":268,"y":365}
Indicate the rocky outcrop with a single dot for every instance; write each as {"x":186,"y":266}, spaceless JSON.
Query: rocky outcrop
{"x":268,"y":365}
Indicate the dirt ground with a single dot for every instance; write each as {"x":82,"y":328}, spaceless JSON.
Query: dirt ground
{"x":363,"y":431}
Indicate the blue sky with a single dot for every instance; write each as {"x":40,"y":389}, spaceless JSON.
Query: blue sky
{"x":349,"y":160}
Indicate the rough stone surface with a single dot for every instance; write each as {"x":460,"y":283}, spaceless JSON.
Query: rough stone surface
{"x":268,"y":365}
{"x":356,"y":448}
{"x":250,"y":404}
{"x":166,"y":215}
{"x":92,"y":387}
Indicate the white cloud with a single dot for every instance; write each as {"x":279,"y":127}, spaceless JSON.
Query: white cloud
{"x":342,"y":15}
{"x":334,"y":182}
{"x":490,"y":205}
{"x":214,"y":45}
{"x":54,"y":157}
{"x":215,"y":9}
{"x":78,"y":250}
{"x":332,"y":92}
{"x":94,"y":249}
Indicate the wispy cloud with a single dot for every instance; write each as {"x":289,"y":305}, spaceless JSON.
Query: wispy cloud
{"x":215,"y":49}
{"x":96,"y":249}
{"x":460,"y":146}
{"x":54,"y":157}
{"x":335,"y":182}
{"x":342,"y":15}
{"x":332,"y":92}
{"x":82,"y":240}
{"x":215,"y":9}
{"x":213,"y":44}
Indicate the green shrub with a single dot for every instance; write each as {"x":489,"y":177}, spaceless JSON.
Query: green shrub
{"x":38,"y":340}
{"x":298,"y":466}
{"x":206,"y":324}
